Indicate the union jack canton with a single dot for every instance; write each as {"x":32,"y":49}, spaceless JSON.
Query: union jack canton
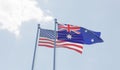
{"x":69,"y":28}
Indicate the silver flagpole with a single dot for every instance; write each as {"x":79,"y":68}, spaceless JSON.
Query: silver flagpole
{"x":54,"y":58}
{"x":34,"y":54}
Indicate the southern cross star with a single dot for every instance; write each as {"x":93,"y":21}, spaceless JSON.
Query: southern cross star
{"x":69,"y":36}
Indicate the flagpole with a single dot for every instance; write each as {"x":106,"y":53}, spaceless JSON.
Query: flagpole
{"x":34,"y":54}
{"x":54,"y":58}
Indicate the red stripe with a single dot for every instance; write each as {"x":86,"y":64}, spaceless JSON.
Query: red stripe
{"x":61,"y":46}
{"x":50,"y":43}
{"x":59,"y":42}
{"x":46,"y":42}
{"x":73,"y":49}
{"x":45,"y":45}
{"x":46,"y":39}
{"x":79,"y":46}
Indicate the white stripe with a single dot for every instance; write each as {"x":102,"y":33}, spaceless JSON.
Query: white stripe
{"x":61,"y":44}
{"x":46,"y":44}
{"x":51,"y":41}
{"x":80,"y":49}
{"x":73,"y":47}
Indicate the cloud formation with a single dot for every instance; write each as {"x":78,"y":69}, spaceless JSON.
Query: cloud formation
{"x":14,"y":12}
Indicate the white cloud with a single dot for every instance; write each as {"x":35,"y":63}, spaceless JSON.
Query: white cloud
{"x":14,"y":12}
{"x":46,"y":1}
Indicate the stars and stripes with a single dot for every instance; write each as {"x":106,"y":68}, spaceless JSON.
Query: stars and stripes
{"x":47,"y":39}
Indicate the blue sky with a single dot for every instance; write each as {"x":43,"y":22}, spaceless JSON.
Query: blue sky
{"x":17,"y":42}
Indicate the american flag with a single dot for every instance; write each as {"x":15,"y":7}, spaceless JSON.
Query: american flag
{"x":68,"y":28}
{"x":47,"y":39}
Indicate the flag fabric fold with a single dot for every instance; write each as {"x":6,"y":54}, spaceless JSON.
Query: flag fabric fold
{"x":90,"y":37}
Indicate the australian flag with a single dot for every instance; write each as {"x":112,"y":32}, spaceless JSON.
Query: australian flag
{"x":78,"y":34}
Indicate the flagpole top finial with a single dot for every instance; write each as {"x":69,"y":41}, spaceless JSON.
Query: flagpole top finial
{"x":38,"y":25}
{"x":55,"y":20}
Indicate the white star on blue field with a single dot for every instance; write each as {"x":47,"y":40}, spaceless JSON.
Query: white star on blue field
{"x":18,"y":27}
{"x":69,"y":36}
